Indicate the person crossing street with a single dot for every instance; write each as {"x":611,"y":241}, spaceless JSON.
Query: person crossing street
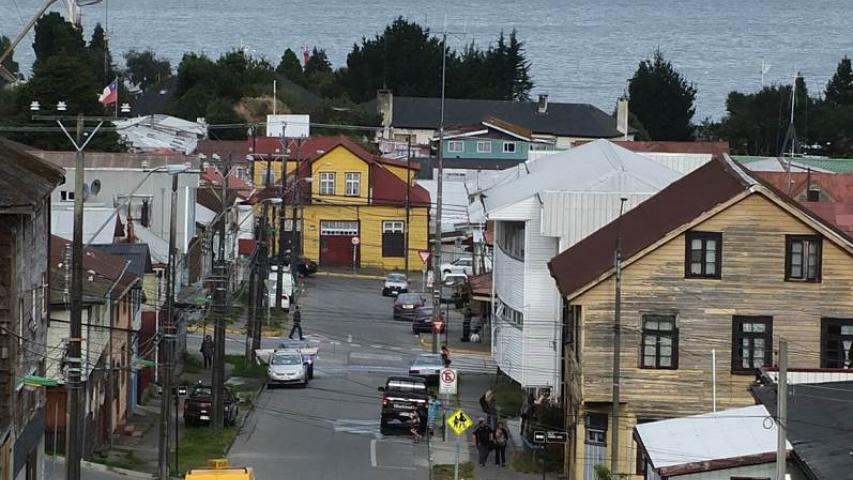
{"x":297,"y":324}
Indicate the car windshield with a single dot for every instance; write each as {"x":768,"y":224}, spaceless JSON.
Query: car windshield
{"x":463,"y":261}
{"x":405,"y":385}
{"x":285,"y":360}
{"x":409,"y":298}
{"x":430,"y":360}
{"x":293,"y":344}
{"x":396,"y":277}
{"x":202,"y":392}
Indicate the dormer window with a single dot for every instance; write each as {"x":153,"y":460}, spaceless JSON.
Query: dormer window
{"x":813,"y":193}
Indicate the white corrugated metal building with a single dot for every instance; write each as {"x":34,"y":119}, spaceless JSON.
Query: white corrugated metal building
{"x":553,"y":203}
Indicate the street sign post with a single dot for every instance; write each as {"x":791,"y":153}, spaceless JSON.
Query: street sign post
{"x":539,"y":436}
{"x":550,"y":436}
{"x":447,"y":379}
{"x":459,"y":421}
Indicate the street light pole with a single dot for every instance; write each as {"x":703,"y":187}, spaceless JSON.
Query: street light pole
{"x":436,"y":257}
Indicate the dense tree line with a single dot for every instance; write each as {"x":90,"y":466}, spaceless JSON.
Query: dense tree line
{"x":66,"y":69}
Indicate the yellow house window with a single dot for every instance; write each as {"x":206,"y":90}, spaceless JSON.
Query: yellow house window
{"x":327,"y":183}
{"x":353,"y":184}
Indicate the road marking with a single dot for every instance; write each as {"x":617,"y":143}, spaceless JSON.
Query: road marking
{"x":378,"y":347}
{"x":376,"y":356}
{"x":355,"y":345}
{"x":374,"y":464}
{"x":335,"y":342}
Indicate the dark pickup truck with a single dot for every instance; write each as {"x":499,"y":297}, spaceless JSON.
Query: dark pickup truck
{"x":198,"y":406}
{"x":402,"y":397}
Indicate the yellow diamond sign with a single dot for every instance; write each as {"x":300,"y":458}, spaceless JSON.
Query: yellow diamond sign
{"x":459,"y":422}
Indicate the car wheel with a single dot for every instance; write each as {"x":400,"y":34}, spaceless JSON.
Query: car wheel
{"x":446,"y":272}
{"x":383,"y":427}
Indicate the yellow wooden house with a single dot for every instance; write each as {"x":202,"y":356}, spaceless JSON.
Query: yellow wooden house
{"x":351,"y":204}
{"x":718,"y":265}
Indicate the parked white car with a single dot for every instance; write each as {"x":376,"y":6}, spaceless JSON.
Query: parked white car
{"x":460,"y":266}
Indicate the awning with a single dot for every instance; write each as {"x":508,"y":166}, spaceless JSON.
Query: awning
{"x":37,"y":381}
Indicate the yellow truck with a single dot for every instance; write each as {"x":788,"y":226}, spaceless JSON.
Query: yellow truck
{"x":220,"y":470}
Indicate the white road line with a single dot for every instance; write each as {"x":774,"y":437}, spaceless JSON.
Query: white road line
{"x":355,"y":345}
{"x":378,"y":347}
{"x":373,"y":453}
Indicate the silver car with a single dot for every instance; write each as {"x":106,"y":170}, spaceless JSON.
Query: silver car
{"x":395,"y":284}
{"x":287,"y":368}
{"x":428,"y":366}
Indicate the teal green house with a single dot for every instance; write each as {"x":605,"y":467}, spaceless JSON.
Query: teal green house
{"x":491,"y":145}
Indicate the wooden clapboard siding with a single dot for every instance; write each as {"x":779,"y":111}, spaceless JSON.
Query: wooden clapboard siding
{"x":752,"y":283}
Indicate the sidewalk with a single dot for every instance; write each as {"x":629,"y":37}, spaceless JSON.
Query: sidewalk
{"x":453,"y":334}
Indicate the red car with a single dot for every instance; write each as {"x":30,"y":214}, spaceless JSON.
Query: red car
{"x":406,"y":304}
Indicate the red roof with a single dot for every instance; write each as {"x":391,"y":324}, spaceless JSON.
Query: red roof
{"x":836,"y":194}
{"x":235,"y":150}
{"x":213,"y":176}
{"x":389,"y":189}
{"x":100,"y":270}
{"x":314,"y":147}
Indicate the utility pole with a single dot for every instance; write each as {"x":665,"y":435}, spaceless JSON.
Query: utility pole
{"x":297,"y":198}
{"x":253,"y":295}
{"x":167,"y":337}
{"x":74,"y":357}
{"x":617,"y":347}
{"x":436,"y":256}
{"x":262,"y":266}
{"x":782,"y":412}
{"x":408,"y":205}
{"x":222,"y":284}
{"x":72,"y":470}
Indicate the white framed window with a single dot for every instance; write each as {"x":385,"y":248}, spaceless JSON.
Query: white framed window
{"x":353,"y":184}
{"x":511,"y":238}
{"x":288,"y":225}
{"x":455,"y":146}
{"x":136,"y":203}
{"x":509,"y":147}
{"x":66,"y":195}
{"x":392,"y":226}
{"x":484,"y":146}
{"x":339,"y":227}
{"x":327,"y":183}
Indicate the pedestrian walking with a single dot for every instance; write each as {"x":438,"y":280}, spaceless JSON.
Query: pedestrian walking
{"x":526,"y":413}
{"x":488,"y":403}
{"x":445,"y":356}
{"x":297,"y":324}
{"x":433,"y":409}
{"x":207,"y":351}
{"x":500,"y":439}
{"x":466,"y":325}
{"x":483,"y":441}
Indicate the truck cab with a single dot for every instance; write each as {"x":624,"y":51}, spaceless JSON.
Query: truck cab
{"x":402,"y":397}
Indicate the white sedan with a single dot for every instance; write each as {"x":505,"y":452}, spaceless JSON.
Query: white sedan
{"x":461,"y":266}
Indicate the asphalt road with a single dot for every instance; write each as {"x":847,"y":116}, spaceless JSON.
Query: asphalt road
{"x":330,"y":430}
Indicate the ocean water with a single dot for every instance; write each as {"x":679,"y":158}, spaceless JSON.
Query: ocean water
{"x":581,"y":50}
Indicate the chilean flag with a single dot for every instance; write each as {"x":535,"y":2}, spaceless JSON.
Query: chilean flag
{"x":110,"y":93}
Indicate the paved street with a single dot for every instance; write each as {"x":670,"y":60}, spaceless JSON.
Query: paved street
{"x":331,"y":429}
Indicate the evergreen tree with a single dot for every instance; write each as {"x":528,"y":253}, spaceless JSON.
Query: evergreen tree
{"x":521,"y":82}
{"x":290,"y":68}
{"x":145,"y":69}
{"x":55,"y":36}
{"x":101,"y":58}
{"x":10,"y":64}
{"x":662,"y":100}
{"x":318,"y":63}
{"x":839,"y":89}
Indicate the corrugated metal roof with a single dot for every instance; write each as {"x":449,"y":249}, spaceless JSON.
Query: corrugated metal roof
{"x":62,"y":222}
{"x":798,"y":164}
{"x":598,"y":166}
{"x":157,"y":247}
{"x":727,"y":434}
{"x":24,"y":179}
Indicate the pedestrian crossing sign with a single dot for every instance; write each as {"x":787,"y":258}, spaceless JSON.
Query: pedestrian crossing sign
{"x":459,"y":421}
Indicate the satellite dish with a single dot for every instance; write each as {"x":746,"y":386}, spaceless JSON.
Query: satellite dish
{"x":96,"y":187}
{"x":85,"y":191}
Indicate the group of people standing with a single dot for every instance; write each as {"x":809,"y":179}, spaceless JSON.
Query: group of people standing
{"x":487,"y":439}
{"x":423,"y":419}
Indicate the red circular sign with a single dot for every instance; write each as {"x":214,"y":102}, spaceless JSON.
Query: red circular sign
{"x":448,"y":376}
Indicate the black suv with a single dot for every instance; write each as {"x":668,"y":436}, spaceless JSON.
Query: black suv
{"x":402,"y":397}
{"x":198,"y":406}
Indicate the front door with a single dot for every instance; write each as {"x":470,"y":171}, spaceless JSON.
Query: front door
{"x":336,"y":243}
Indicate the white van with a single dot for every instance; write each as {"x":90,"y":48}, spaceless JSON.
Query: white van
{"x":286,"y":289}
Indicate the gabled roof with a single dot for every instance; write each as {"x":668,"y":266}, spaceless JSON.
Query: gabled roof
{"x":836,"y":194}
{"x":25,"y":179}
{"x":136,"y":253}
{"x":560,"y":119}
{"x":482,"y":129}
{"x":598,"y":166}
{"x":711,"y":441}
{"x":714,"y":148}
{"x":684,"y":201}
{"x":820,"y":426}
{"x":389,"y":189}
{"x":312,"y":148}
{"x":103,"y":273}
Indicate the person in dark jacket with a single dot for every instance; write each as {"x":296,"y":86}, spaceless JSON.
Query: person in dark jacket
{"x":499,"y":440}
{"x":483,"y":441}
{"x":297,"y":324}
{"x":207,"y":351}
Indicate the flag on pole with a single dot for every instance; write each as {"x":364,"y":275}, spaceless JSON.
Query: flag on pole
{"x":110,"y":93}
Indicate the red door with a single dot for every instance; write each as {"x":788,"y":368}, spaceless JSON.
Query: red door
{"x":336,"y":250}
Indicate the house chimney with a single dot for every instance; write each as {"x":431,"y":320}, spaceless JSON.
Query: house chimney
{"x":145,"y":219}
{"x":385,"y":105}
{"x":622,"y":116}
{"x":543,"y":103}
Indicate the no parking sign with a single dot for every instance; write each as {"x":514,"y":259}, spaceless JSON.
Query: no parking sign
{"x":447,"y":380}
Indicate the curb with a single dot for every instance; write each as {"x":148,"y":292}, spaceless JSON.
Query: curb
{"x":425,"y":344}
{"x":246,"y":417}
{"x":350,"y":275}
{"x":100,"y":467}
